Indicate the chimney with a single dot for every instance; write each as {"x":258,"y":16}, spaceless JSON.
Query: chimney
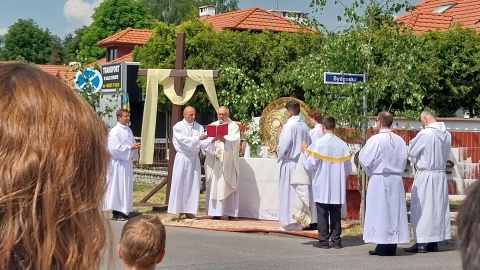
{"x":206,"y":11}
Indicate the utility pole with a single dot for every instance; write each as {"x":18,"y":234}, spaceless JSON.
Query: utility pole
{"x":371,"y":14}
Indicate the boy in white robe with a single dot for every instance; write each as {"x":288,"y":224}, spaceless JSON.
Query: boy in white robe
{"x":123,"y":149}
{"x":188,"y":138}
{"x":315,"y":118}
{"x":294,"y":131}
{"x":383,"y":158}
{"x":429,"y":207}
{"x":221,"y":170}
{"x":328,"y":159}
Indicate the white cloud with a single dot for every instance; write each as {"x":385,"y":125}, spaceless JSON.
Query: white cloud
{"x":79,"y":10}
{"x":3,"y":31}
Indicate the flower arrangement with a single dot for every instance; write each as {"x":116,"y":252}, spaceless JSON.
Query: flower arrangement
{"x":252,"y":137}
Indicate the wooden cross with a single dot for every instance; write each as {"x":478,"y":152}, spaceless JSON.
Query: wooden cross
{"x":178,"y":73}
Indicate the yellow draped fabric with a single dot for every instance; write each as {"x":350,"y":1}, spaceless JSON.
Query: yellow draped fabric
{"x":162,"y":76}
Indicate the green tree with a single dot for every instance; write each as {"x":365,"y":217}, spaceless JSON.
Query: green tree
{"x":373,"y":44}
{"x":175,"y":12}
{"x":57,"y":50}
{"x":250,"y":63}
{"x":71,"y":43}
{"x":222,"y":5}
{"x":25,"y":40}
{"x":2,"y":46}
{"x":110,"y":17}
{"x":452,"y":59}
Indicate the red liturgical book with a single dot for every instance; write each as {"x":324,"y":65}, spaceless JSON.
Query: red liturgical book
{"x":213,"y":130}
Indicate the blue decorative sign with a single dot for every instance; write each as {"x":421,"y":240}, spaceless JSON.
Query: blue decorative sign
{"x":343,"y":78}
{"x":91,"y":75}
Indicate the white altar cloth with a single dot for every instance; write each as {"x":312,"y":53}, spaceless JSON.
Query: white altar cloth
{"x":258,"y":188}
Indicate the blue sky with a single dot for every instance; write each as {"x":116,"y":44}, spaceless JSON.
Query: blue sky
{"x":63,"y":16}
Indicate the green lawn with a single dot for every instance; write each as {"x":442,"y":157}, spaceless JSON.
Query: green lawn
{"x":140,"y":190}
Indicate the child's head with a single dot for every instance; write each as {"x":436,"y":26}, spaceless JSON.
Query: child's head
{"x":142,"y":244}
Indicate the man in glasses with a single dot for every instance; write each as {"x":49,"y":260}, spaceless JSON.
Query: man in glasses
{"x":221,"y":169}
{"x":383,"y":158}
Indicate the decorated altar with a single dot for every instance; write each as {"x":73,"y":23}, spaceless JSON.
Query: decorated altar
{"x":258,"y":188}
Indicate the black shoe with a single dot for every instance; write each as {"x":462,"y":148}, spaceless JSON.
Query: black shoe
{"x":310,"y":227}
{"x":374,"y":252}
{"x":337,"y":246}
{"x":432,"y":247}
{"x":119,"y":216}
{"x":231,"y":218}
{"x":321,"y":244}
{"x":217,"y":218}
{"x":190,"y":216}
{"x":416,"y":249}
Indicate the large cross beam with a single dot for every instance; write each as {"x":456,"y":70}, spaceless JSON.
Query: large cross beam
{"x":178,"y":73}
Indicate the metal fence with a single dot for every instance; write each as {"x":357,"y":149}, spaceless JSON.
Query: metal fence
{"x":160,"y":155}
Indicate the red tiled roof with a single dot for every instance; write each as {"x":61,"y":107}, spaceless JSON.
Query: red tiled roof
{"x":254,"y":18}
{"x":65,"y":73}
{"x":99,"y":62}
{"x":127,"y":36}
{"x":125,"y":58}
{"x":422,"y":18}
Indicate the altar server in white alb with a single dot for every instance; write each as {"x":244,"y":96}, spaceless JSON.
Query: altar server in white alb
{"x":383,"y":158}
{"x":188,"y":139}
{"x":222,"y":169}
{"x":328,"y":159}
{"x":123,"y":149}
{"x":430,"y":209}
{"x":315,"y":119}
{"x":289,"y":149}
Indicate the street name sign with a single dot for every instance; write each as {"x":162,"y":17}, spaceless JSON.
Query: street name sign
{"x":343,"y":78}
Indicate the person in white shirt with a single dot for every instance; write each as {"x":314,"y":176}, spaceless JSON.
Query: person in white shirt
{"x":429,"y":207}
{"x":123,"y":149}
{"x":188,"y":139}
{"x":328,"y":160}
{"x":383,"y":158}
{"x":222,"y":170}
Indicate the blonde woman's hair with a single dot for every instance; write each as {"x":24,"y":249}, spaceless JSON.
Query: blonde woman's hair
{"x":53,"y":161}
{"x":142,"y":241}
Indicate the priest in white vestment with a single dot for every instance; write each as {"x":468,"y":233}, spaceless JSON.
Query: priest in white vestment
{"x":429,"y":207}
{"x":222,"y":169}
{"x":188,"y":139}
{"x":294,"y":131}
{"x":315,"y":119}
{"x":328,"y":159}
{"x":383,"y":158}
{"x":123,"y":149}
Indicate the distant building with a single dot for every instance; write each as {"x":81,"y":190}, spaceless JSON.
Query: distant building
{"x":297,"y":16}
{"x":442,"y":14}
{"x":253,"y":19}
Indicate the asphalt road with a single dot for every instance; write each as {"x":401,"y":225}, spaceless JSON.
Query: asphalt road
{"x":189,"y":248}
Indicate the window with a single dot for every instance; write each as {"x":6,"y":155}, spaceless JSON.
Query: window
{"x":112,"y":54}
{"x":444,"y":7}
